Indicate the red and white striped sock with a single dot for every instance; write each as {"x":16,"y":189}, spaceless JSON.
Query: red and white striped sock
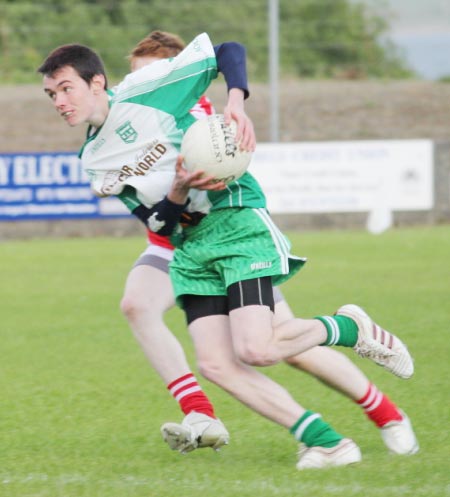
{"x":189,"y":394}
{"x":378,"y":407}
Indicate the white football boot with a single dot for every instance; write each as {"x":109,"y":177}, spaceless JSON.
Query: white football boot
{"x":197,"y":430}
{"x":344,"y":453}
{"x":374,"y":343}
{"x":399,"y":437}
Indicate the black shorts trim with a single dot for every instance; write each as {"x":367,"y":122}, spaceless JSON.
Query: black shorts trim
{"x":200,"y":306}
{"x":258,"y":291}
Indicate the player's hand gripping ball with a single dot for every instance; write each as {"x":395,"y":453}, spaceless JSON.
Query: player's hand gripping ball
{"x":210,"y":146}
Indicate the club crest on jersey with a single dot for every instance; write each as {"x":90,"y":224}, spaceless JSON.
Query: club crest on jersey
{"x":127,"y":133}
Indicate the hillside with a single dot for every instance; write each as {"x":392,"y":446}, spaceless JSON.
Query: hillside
{"x":310,"y":111}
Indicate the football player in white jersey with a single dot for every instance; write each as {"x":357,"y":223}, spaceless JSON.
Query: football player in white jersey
{"x":82,"y":97}
{"x":148,"y":295}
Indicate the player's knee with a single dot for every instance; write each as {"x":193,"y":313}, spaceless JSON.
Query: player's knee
{"x":213,"y":371}
{"x":257,"y":356}
{"x":131,"y":307}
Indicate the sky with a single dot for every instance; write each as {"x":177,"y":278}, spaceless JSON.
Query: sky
{"x":421,"y":29}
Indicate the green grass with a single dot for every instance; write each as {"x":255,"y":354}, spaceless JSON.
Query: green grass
{"x":80,"y":409}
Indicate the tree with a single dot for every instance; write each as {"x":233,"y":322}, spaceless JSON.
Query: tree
{"x":336,"y":38}
{"x":318,"y":38}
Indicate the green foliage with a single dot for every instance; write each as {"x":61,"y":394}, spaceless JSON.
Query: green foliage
{"x":318,"y":38}
{"x":335,"y":38}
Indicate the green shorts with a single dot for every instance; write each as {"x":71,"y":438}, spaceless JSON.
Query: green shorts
{"x":231,"y":245}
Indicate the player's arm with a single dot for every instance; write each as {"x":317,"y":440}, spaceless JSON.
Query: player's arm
{"x":163,"y":216}
{"x":231,"y":62}
{"x":160,"y":218}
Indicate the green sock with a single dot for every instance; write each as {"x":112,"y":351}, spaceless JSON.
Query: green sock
{"x":341,"y":330}
{"x":313,"y":431}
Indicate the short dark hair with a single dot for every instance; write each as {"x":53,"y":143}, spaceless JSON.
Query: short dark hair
{"x":84,"y":60}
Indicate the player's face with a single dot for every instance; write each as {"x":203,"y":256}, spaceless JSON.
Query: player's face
{"x":73,"y":98}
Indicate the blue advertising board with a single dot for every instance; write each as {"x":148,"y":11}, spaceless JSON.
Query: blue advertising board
{"x":49,"y":186}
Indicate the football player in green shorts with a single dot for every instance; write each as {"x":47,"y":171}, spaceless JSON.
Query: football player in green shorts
{"x":222,"y":274}
{"x":148,"y":294}
{"x":131,"y":151}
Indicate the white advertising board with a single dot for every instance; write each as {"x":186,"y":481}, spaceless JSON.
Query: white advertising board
{"x":358,"y":176}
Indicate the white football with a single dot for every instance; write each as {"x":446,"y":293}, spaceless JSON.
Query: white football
{"x":209,"y":145}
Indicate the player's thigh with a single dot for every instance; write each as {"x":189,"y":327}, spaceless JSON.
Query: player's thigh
{"x":212,"y":343}
{"x":148,"y":284}
{"x":282,"y":310}
{"x":251,"y":305}
{"x":251,"y":331}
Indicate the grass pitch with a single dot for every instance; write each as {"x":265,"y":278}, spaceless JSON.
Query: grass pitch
{"x":81,"y":409}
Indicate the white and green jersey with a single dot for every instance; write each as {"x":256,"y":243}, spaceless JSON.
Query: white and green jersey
{"x":140,"y":140}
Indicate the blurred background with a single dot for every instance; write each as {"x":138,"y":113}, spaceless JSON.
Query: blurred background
{"x":317,"y":38}
{"x":422,"y":30}
{"x":320,"y":71}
